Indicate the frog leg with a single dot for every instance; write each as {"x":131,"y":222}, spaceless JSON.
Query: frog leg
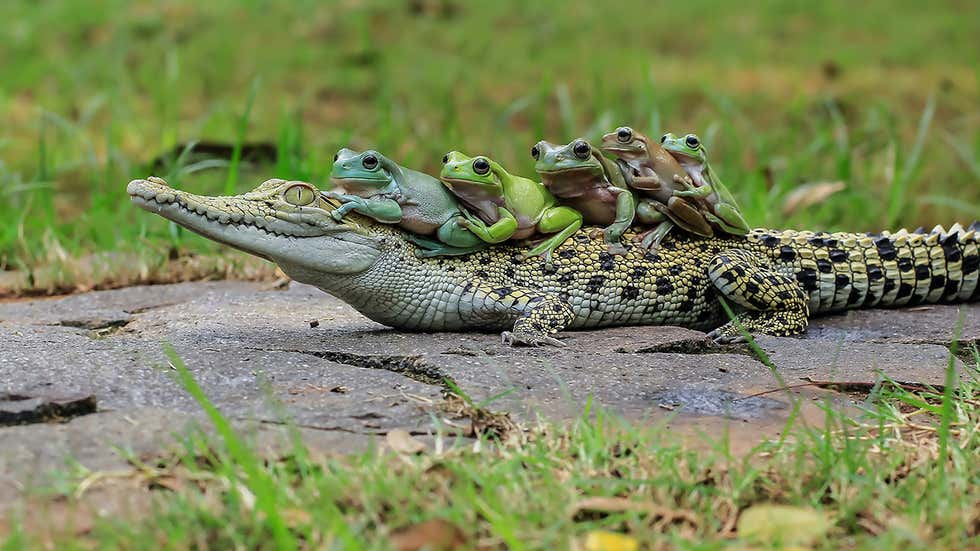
{"x":498,"y":232}
{"x":647,"y":183}
{"x":774,"y":304}
{"x":729,"y":219}
{"x":454,"y":240}
{"x":387,"y":211}
{"x":430,"y":247}
{"x":564,"y":220}
{"x":455,"y":235}
{"x":648,"y":214}
{"x":688,"y":217}
{"x":625,"y":212}
{"x":691,"y":191}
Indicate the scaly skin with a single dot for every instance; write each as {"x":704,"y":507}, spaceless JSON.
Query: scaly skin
{"x":774,"y":279}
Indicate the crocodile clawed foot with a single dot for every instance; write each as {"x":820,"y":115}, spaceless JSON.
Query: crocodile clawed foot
{"x":518,"y":338}
{"x":727,"y":334}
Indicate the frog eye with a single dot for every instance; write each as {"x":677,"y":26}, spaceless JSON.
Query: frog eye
{"x":535,"y":152}
{"x":663,"y":138}
{"x":692,"y":141}
{"x":481,"y":166}
{"x":299,"y":195}
{"x":582,"y":150}
{"x":624,"y":134}
{"x":336,"y":156}
{"x":445,"y":158}
{"x":370,"y":162}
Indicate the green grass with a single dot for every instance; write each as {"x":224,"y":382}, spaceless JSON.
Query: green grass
{"x":880,"y":96}
{"x":903,"y":476}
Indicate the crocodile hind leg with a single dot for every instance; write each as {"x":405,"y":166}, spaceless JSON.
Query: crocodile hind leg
{"x":773,"y":303}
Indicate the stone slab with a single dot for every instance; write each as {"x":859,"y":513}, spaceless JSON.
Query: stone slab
{"x":265,"y":355}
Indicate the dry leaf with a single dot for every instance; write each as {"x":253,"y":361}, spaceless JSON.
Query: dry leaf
{"x":599,"y":540}
{"x":434,"y":535}
{"x":294,"y":517}
{"x":785,"y":524}
{"x":402,"y":442}
{"x":810,"y":194}
{"x":620,"y":504}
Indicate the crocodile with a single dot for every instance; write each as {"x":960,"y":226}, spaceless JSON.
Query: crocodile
{"x":771,"y":281}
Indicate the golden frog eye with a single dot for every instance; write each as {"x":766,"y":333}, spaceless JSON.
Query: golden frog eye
{"x":299,"y":195}
{"x":624,"y":134}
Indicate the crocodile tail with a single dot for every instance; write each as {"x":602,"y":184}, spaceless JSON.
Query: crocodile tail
{"x":908,"y":268}
{"x":841,"y":271}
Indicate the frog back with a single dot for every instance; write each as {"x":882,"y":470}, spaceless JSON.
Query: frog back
{"x":426,"y":197}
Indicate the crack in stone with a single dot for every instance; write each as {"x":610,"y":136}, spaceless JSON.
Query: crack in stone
{"x":144,"y":309}
{"x":693,"y":347}
{"x":413,"y":367}
{"x":93,"y":324}
{"x":27,"y":409}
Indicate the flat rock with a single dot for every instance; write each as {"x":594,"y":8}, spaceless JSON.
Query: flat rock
{"x":931,"y":324}
{"x":264,"y":356}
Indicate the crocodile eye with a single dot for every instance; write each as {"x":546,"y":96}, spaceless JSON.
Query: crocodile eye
{"x":299,"y":195}
{"x":692,"y":141}
{"x":481,"y":166}
{"x":445,"y":158}
{"x":663,"y":138}
{"x":535,"y":152}
{"x":582,"y":150}
{"x":370,"y":162}
{"x":624,"y":134}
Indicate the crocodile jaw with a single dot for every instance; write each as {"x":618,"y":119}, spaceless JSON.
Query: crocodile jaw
{"x":308,"y":243}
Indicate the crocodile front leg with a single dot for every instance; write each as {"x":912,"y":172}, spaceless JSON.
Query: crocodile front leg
{"x":537,"y":316}
{"x":775,"y":304}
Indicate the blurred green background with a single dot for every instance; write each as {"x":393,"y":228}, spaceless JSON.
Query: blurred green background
{"x":825,"y":115}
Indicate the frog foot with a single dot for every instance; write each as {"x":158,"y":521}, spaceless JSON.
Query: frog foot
{"x":685,"y":181}
{"x":527,"y":338}
{"x":617,"y":249}
{"x":544,"y":255}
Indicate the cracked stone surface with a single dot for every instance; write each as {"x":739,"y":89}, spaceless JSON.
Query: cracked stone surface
{"x":345,"y":380}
